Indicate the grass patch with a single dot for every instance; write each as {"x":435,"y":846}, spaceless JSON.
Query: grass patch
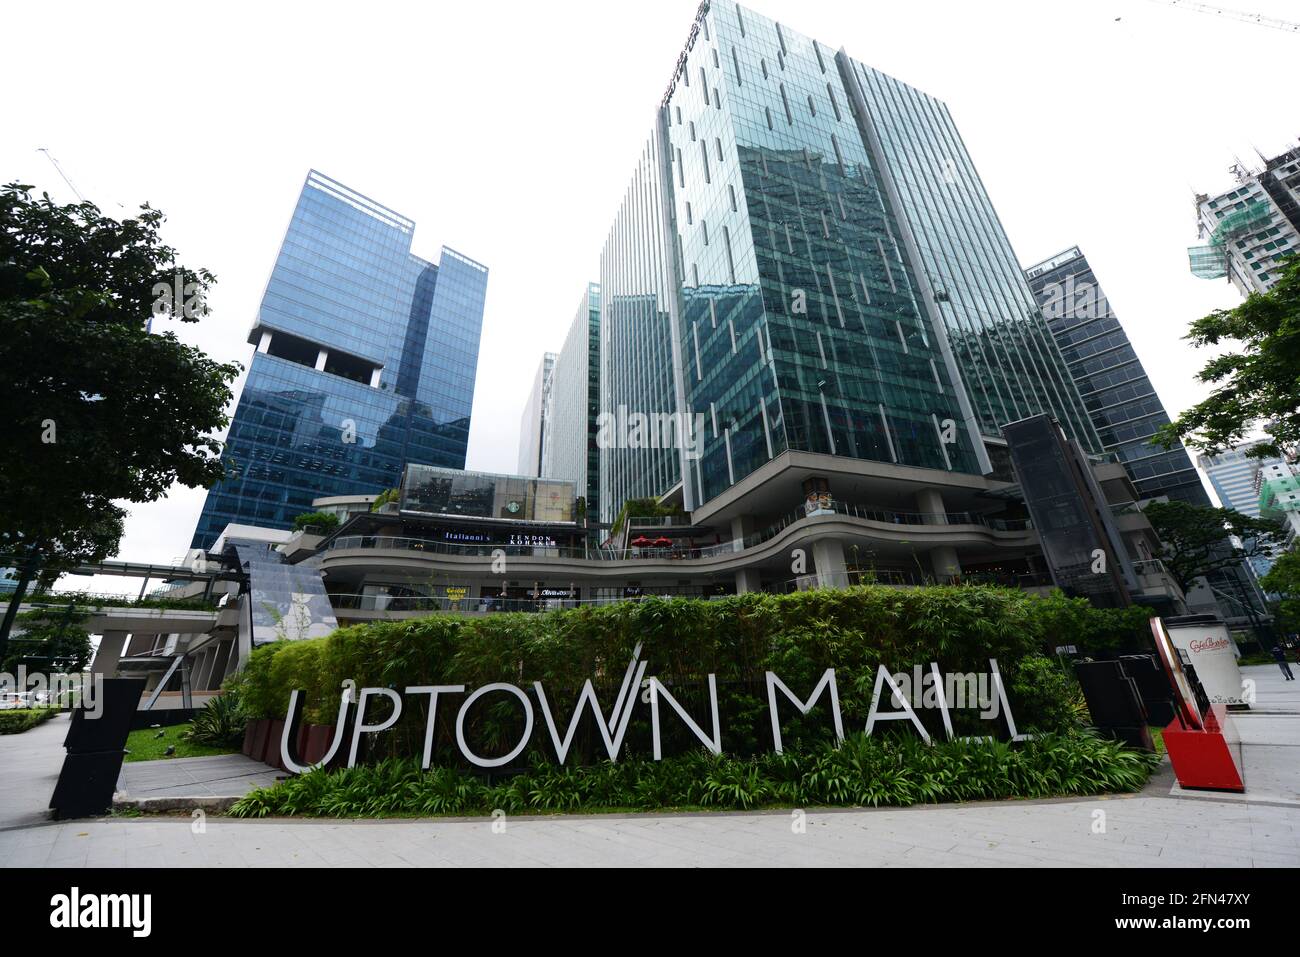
{"x":145,"y":745}
{"x":18,"y":720}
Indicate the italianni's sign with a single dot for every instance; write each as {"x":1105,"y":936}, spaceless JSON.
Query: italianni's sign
{"x":921,"y":689}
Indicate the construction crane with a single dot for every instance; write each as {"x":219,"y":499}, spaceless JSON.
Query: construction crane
{"x":1256,"y":18}
{"x":49,"y":156}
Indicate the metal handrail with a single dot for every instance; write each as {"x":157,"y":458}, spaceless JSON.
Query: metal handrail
{"x":487,"y":550}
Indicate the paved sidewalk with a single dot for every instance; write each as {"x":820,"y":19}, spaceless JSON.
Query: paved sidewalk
{"x":1139,"y":831}
{"x":1270,"y":741}
{"x":217,"y":776}
{"x":29,"y":768}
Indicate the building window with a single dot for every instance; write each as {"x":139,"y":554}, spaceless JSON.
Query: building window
{"x":735,"y":59}
{"x":732,"y":190}
{"x":835,"y":105}
{"x":704,"y":151}
{"x":812,"y":107}
{"x":785,"y":101}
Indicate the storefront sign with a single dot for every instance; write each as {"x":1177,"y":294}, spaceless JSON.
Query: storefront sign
{"x":613,"y":728}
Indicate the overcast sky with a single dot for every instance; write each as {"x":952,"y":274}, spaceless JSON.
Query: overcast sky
{"x":508,"y":131}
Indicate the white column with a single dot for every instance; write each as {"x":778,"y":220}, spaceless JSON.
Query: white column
{"x":374,"y":377}
{"x":265,"y":344}
{"x":321,"y":357}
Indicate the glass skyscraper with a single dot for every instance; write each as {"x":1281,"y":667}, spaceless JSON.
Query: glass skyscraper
{"x":806,"y":258}
{"x":1115,"y":388}
{"x":569,"y":445}
{"x":366,"y":358}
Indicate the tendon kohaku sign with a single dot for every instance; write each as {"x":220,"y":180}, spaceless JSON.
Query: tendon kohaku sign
{"x":908,"y":693}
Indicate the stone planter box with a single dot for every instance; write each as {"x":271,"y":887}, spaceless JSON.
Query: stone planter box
{"x":315,"y":742}
{"x":271,"y":754}
{"x":257,"y":747}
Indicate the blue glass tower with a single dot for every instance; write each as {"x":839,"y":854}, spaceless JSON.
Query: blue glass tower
{"x":365,"y":361}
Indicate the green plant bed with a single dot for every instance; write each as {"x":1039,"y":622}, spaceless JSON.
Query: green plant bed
{"x":878,"y":771}
{"x":145,"y":745}
{"x":18,"y":720}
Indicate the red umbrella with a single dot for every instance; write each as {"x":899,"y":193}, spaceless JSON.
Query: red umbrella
{"x":662,"y":542}
{"x":640,"y":540}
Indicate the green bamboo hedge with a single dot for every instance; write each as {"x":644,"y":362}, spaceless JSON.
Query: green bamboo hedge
{"x":797,"y":636}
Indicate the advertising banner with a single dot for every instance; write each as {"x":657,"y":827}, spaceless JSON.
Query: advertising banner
{"x":1204,"y":639}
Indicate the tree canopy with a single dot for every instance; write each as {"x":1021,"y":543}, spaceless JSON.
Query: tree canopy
{"x":1283,"y":580}
{"x":98,"y":409}
{"x":1257,"y":384}
{"x":1195,"y":537}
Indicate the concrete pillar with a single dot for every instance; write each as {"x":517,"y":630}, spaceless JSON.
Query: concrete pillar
{"x":741,"y":526}
{"x":111,"y":646}
{"x":264,"y":344}
{"x":943,"y":559}
{"x":748,"y":580}
{"x":220,"y":664}
{"x":832,"y":569}
{"x":321,"y":358}
{"x":201,"y":668}
{"x":930,"y":502}
{"x":374,"y":377}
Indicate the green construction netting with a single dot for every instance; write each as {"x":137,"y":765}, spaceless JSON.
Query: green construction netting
{"x":1208,"y":262}
{"x":1247,"y":219}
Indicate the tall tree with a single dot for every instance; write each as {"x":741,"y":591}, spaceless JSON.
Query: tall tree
{"x":97,"y":409}
{"x":1256,"y":385}
{"x":1195,"y":538}
{"x":1283,"y":580}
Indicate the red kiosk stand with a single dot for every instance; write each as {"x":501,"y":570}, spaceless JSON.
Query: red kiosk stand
{"x":1204,"y":748}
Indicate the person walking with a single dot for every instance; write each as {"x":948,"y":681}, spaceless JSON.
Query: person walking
{"x":1280,"y":657}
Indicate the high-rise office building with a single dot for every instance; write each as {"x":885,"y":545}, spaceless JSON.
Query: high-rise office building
{"x":366,"y":358}
{"x":1234,"y":475}
{"x":569,"y":442}
{"x":1279,"y":500}
{"x":1251,"y":229}
{"x":532,"y":427}
{"x":806,"y":261}
{"x":1116,"y":391}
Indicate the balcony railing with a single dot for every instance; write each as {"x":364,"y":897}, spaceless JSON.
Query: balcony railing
{"x":427,"y":604}
{"x":678,"y":552}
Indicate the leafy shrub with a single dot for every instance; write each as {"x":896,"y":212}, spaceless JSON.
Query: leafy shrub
{"x":18,"y":720}
{"x":220,"y":724}
{"x":321,"y":521}
{"x":878,"y":771}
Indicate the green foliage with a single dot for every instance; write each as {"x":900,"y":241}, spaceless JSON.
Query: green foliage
{"x":1195,"y":537}
{"x":97,"y":409}
{"x":220,"y":724}
{"x":879,"y":771}
{"x":1283,"y":580}
{"x":1096,"y":632}
{"x":90,"y":600}
{"x":1255,"y":381}
{"x":738,"y":638}
{"x":384,"y":497}
{"x":53,"y":641}
{"x":18,"y":720}
{"x":642,"y":508}
{"x":325,"y":522}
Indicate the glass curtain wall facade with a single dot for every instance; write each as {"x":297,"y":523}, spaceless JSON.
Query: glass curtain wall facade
{"x":1116,"y":391}
{"x":569,"y":445}
{"x":366,"y":359}
{"x":771,"y":272}
{"x":1003,"y":346}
